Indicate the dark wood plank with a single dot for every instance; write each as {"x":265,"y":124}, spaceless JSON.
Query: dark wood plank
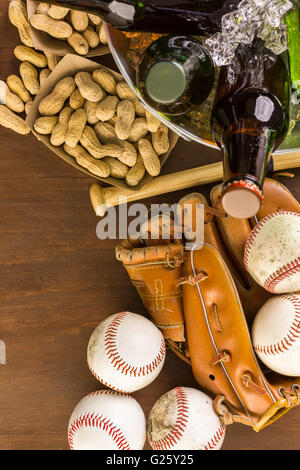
{"x":58,"y":281}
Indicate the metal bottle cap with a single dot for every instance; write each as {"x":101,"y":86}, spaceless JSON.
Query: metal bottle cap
{"x":241,"y":199}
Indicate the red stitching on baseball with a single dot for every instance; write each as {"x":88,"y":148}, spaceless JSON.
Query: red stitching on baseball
{"x":103,"y":381}
{"x":286,"y":343}
{"x":257,"y":229}
{"x":179,"y":426}
{"x":283,"y":273}
{"x":118,"y":362}
{"x":109,"y":392}
{"x":98,"y":421}
{"x":116,"y":359}
{"x":215,"y":439}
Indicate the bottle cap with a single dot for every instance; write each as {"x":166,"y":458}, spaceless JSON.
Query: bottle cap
{"x":241,"y":199}
{"x":165,"y":82}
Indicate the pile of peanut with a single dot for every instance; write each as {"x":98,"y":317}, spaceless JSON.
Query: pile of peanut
{"x":82,"y":31}
{"x":18,"y":91}
{"x":93,"y":117}
{"x":100,"y":122}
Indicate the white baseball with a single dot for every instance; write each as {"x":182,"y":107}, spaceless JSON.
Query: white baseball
{"x":126,"y":352}
{"x":185,"y":419}
{"x":276,"y":334}
{"x":107,"y":420}
{"x":272,"y":252}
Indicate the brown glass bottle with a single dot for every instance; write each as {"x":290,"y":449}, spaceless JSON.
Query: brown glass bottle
{"x":250,"y":119}
{"x":198,"y":17}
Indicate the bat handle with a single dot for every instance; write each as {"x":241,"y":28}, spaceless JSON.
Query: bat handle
{"x":104,"y":197}
{"x":97,"y":199}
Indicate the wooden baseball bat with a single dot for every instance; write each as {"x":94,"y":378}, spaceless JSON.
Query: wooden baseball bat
{"x":104,"y":197}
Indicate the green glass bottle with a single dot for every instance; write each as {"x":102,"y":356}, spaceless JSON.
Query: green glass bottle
{"x":175,"y":74}
{"x":293,"y":32}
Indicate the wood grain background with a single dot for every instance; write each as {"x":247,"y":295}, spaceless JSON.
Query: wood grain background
{"x":58,"y":281}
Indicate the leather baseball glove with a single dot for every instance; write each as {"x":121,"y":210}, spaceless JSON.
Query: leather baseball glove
{"x":204,"y":302}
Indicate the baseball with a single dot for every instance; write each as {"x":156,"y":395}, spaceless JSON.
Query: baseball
{"x":126,"y":352}
{"x":107,"y":420}
{"x":184,"y":419}
{"x":272,"y":252}
{"x":276,"y":334}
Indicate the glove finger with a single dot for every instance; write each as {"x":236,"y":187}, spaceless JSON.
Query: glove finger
{"x":210,"y":233}
{"x":276,"y":197}
{"x":234,"y":233}
{"x":160,"y":230}
{"x":189,"y":216}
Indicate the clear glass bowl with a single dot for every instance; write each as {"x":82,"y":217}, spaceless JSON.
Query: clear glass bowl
{"x":191,"y":128}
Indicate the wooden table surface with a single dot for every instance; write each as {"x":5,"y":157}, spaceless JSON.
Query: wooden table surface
{"x":58,"y":281}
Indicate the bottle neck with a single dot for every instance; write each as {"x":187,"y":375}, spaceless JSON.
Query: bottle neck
{"x":196,"y":17}
{"x":247,"y":150}
{"x":248,"y":125}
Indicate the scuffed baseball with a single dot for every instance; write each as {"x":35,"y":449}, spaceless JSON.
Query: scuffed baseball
{"x":126,"y":352}
{"x":184,"y":419}
{"x":107,"y":420}
{"x":276,"y":334}
{"x":272,"y":252}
